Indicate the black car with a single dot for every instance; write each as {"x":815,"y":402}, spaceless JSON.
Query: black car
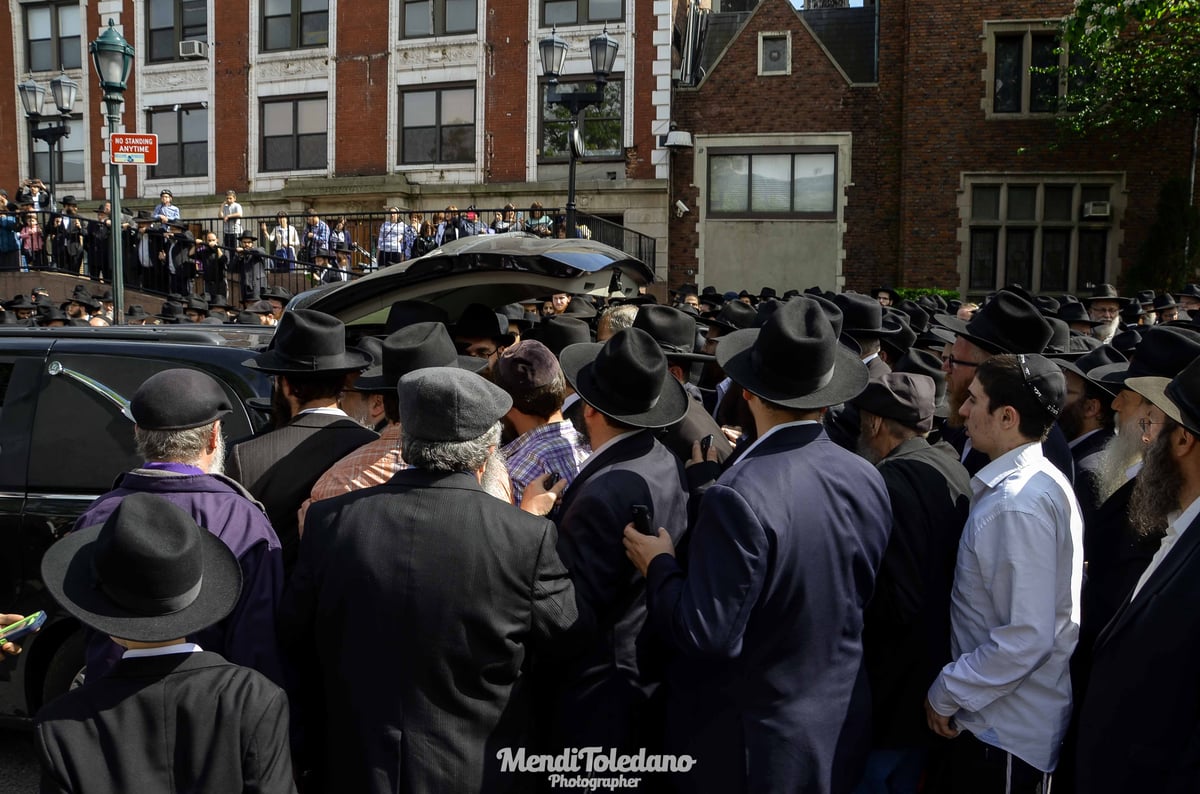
{"x":64,"y":439}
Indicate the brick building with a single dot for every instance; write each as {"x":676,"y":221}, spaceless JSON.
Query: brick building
{"x":350,"y":106}
{"x":906,"y":143}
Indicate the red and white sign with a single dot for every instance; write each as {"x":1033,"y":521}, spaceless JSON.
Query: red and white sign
{"x":126,"y":148}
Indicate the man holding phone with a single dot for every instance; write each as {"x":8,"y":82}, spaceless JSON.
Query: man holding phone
{"x":8,"y":647}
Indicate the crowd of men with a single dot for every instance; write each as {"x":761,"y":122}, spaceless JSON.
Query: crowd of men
{"x":809,"y":543}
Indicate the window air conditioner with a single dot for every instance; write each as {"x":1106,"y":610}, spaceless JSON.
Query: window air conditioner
{"x":193,"y":49}
{"x":1096,"y":209}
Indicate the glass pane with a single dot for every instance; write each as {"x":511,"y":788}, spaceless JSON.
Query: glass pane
{"x":1093,"y":193}
{"x":417,"y":19}
{"x":278,"y":33}
{"x":162,"y":45}
{"x":68,"y":21}
{"x":602,"y":137}
{"x":561,"y":12}
{"x":983,"y":259}
{"x":195,"y":159}
{"x":1018,"y":259}
{"x":420,"y":108}
{"x":985,"y":203}
{"x":314,"y":29}
{"x":277,"y":118}
{"x":71,"y":56}
{"x":168,"y":160}
{"x":458,"y":106}
{"x":604,"y":10}
{"x":1043,"y":75}
{"x":41,"y":56}
{"x":774,"y":54}
{"x":1022,"y":203}
{"x":165,"y":124}
{"x":161,"y":13}
{"x":195,"y":125}
{"x":275,"y":8}
{"x":1007,"y":97}
{"x":1058,"y":202}
{"x":1056,"y":251}
{"x":554,"y":139}
{"x":41,"y":166}
{"x":458,"y":144}
{"x":1093,"y":246}
{"x":37,"y":23}
{"x":313,"y":5}
{"x":771,"y":183}
{"x":728,"y":183}
{"x":813,"y":189}
{"x":313,"y":152}
{"x":460,"y":16}
{"x":420,"y":145}
{"x":279,"y":154}
{"x":311,"y":116}
{"x":195,"y":14}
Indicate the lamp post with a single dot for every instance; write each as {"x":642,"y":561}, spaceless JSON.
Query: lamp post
{"x":113,"y":58}
{"x":553,"y":53}
{"x":63,"y":90}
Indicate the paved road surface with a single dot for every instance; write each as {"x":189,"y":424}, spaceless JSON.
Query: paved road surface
{"x":18,"y":762}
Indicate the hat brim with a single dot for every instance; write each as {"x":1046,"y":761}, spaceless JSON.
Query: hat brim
{"x":272,"y":363}
{"x":1109,"y":376}
{"x":1069,"y":365}
{"x":849,"y":377}
{"x":372,"y":381}
{"x":576,"y":362}
{"x":68,"y":574}
{"x":959,"y":328}
{"x":1155,"y":390}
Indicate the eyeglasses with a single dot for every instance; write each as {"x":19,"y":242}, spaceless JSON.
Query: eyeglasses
{"x":478,"y":351}
{"x":1146,"y":424}
{"x":952,"y":362}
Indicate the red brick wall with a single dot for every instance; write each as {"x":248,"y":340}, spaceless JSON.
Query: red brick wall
{"x":361,"y":86}
{"x":505,"y":90}
{"x":10,"y":108}
{"x":231,"y":67}
{"x":638,"y":163}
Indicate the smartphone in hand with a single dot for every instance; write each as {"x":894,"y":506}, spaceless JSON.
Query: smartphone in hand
{"x":27,"y":625}
{"x":643,"y":520}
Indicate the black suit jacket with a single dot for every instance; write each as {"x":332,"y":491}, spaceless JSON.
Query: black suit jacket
{"x":906,"y":637}
{"x":281,"y":467}
{"x":695,"y":425}
{"x":421,"y":600}
{"x":181,"y":722}
{"x":1088,"y":455}
{"x":600,"y":690}
{"x":1139,"y":727}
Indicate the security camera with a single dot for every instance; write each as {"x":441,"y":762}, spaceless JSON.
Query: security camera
{"x":681,"y":209}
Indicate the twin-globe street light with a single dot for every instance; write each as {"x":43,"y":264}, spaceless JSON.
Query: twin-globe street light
{"x":553,"y":53}
{"x":113,"y":58}
{"x":63,"y":90}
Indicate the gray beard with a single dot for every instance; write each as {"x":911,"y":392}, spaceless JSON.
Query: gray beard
{"x":1122,"y":451}
{"x":218,"y":461}
{"x":1156,"y":491}
{"x":1106,"y":332}
{"x":865,"y":450}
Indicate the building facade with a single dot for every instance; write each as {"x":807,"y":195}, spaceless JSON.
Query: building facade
{"x":907,"y":144}
{"x":351,"y":105}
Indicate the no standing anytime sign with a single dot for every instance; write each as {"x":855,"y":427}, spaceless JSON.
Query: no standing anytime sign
{"x":133,"y":148}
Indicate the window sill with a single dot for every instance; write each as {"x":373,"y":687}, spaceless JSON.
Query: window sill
{"x":268,"y":56}
{"x":440,"y":38}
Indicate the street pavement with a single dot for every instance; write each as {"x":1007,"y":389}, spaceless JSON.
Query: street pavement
{"x":18,"y":762}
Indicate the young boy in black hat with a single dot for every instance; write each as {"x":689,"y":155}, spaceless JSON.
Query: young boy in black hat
{"x":170,"y":716}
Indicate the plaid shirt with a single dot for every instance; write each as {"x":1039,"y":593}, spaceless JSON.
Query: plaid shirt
{"x":371,"y":464}
{"x":557,"y":447}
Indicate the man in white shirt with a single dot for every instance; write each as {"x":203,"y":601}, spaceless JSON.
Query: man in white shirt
{"x":1014,"y":609}
{"x":1139,"y":725}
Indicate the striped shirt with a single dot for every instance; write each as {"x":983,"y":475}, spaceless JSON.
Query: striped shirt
{"x":556,"y":447}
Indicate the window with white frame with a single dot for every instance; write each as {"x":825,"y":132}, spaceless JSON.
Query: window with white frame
{"x":602,"y":126}
{"x":169,"y":22}
{"x":182,"y":141}
{"x":294,"y":134}
{"x":1027,"y":68}
{"x":294,"y":24}
{"x":68,"y":165}
{"x":775,"y":53}
{"x":52,"y":37}
{"x":1047,"y":236}
{"x":579,"y":12}
{"x":423,"y":18}
{"x":438,"y":125}
{"x":773,"y":182}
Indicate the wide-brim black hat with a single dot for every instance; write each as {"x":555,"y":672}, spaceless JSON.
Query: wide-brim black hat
{"x":148,"y":573}
{"x":734,"y":316}
{"x":862,"y":316}
{"x":673,"y":329}
{"x":414,"y":347}
{"x":309,"y":342}
{"x":1103,"y":356}
{"x":1164,"y":351}
{"x":558,"y":333}
{"x":478,"y":321}
{"x":1105,"y":292}
{"x":1072,"y":313}
{"x":626,"y":379}
{"x":1006,"y":324}
{"x":20,"y":302}
{"x":794,"y":359}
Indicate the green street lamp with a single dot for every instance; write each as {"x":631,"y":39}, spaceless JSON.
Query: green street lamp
{"x":113,"y":58}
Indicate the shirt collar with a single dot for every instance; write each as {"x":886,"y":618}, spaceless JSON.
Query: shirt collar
{"x":179,"y":647}
{"x":991,"y":475}
{"x":611,"y":442}
{"x":1178,"y":522}
{"x":328,"y":411}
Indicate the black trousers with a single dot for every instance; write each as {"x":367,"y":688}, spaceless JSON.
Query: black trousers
{"x":974,"y":767}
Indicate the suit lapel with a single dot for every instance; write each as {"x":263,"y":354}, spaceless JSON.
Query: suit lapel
{"x":1176,"y":559}
{"x":626,"y":449}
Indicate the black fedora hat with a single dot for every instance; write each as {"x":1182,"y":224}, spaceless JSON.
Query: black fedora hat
{"x":1164,"y":301}
{"x":734,"y":316}
{"x":1102,"y":356}
{"x":309,"y":342}
{"x":900,"y":336}
{"x":1163,"y":352}
{"x":558,"y":332}
{"x":81,"y":296}
{"x":136,"y":312}
{"x":581,"y":307}
{"x":1189,"y":291}
{"x":1145,"y":298}
{"x":178,"y":399}
{"x":1105,"y":292}
{"x":1127,"y":342}
{"x":891,"y":293}
{"x":626,"y":379}
{"x":1006,"y":324}
{"x":407,"y":312}
{"x":278,"y":293}
{"x":517,"y":315}
{"x":477,"y":321}
{"x":1047,"y":305}
{"x":414,"y":347}
{"x":172,"y":312}
{"x":918,"y":318}
{"x":20,"y":302}
{"x":149,"y":573}
{"x":922,"y":362}
{"x":794,"y":360}
{"x":862,"y":316}
{"x":674,"y":331}
{"x":1076,"y":312}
